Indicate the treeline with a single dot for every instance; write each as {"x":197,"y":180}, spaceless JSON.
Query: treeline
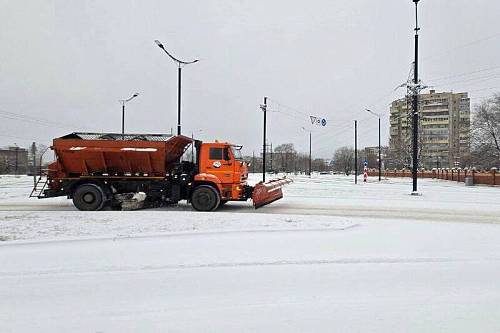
{"x":284,"y":158}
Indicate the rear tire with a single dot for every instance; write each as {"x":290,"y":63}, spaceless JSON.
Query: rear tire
{"x":89,"y":197}
{"x":205,"y":198}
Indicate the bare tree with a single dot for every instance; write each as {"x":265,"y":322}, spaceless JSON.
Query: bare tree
{"x":486,"y":133}
{"x":285,"y":156}
{"x":344,"y":160}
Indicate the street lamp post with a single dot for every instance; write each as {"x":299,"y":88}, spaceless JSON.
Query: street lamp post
{"x":355,"y":151}
{"x":123,"y":101}
{"x":179,"y":63}
{"x":379,"y":147}
{"x":415,"y":105}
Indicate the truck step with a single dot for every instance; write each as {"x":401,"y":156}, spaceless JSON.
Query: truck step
{"x":38,"y":190}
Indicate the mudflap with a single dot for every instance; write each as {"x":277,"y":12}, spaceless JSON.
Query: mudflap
{"x":266,"y":193}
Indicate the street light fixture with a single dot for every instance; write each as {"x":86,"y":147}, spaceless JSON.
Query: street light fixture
{"x":123,"y":101}
{"x":310,"y":150}
{"x":379,"y":148}
{"x":179,"y":63}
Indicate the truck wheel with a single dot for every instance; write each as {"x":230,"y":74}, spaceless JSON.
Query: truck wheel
{"x":205,"y":198}
{"x":88,"y":197}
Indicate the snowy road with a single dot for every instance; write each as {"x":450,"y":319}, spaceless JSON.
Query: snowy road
{"x":330,"y":256}
{"x":416,"y":277}
{"x":328,"y":196}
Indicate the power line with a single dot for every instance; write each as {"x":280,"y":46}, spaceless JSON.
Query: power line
{"x":34,"y":120}
{"x":463,"y":74}
{"x":482,"y":89}
{"x":328,"y":144}
{"x":296,"y":110}
{"x":18,"y":137}
{"x":327,"y":135}
{"x":477,"y":41}
{"x":472,"y":80}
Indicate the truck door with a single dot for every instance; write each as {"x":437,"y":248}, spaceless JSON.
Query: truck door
{"x":221,"y":164}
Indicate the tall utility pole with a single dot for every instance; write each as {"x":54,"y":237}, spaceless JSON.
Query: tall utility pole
{"x":355,"y":152}
{"x":123,"y":119}
{"x":310,"y":154}
{"x":179,"y":63}
{"x":17,"y":159}
{"x":123,"y":101}
{"x":271,"y":168}
{"x":379,"y":147}
{"x":179,"y":77}
{"x":379,"y":153}
{"x":415,"y":104}
{"x":33,"y":156}
{"x":192,"y":147}
{"x":253,"y":162}
{"x":310,"y":150}
{"x":263,"y":107}
{"x":193,"y":144}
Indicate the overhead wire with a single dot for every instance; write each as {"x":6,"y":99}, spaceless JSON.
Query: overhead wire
{"x":462,"y":74}
{"x":34,"y":120}
{"x":327,"y":136}
{"x":446,"y":52}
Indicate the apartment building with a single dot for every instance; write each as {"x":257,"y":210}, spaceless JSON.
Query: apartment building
{"x":444,"y":130}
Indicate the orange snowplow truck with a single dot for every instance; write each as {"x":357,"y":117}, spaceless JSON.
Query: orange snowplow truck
{"x":99,"y":170}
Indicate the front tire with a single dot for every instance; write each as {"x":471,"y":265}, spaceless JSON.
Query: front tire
{"x":89,"y":197}
{"x":205,"y":198}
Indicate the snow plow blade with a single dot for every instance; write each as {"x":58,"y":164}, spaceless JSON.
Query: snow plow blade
{"x":265,"y":193}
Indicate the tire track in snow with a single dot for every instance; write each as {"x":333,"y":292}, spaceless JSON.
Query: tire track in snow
{"x":217,"y":265}
{"x":385,"y":213}
{"x":171,"y":234}
{"x":319,"y":210}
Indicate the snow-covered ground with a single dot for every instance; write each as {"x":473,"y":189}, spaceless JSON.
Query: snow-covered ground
{"x":330,"y":256}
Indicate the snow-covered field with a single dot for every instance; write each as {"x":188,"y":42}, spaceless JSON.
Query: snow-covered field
{"x":330,"y":256}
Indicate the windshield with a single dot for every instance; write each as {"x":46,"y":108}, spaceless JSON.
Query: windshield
{"x":237,"y":152}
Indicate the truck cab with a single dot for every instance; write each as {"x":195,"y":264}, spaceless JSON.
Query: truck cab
{"x":220,"y":164}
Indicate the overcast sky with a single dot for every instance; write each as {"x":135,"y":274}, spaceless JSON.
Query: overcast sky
{"x":65,"y":64}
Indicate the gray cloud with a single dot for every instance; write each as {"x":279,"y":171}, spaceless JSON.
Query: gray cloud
{"x":67,"y":63}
